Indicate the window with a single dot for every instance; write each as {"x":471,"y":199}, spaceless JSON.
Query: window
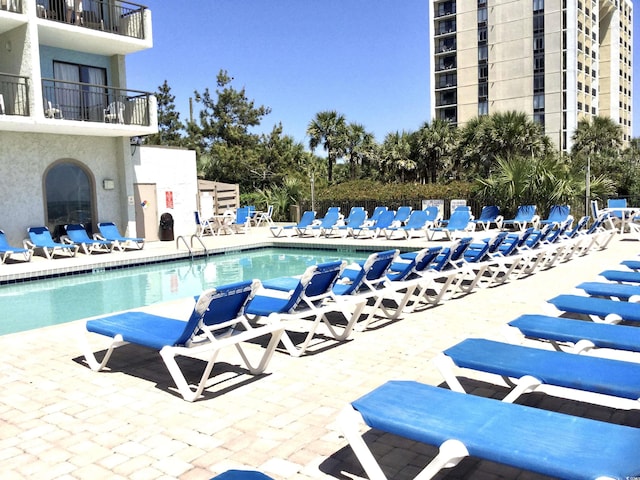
{"x":482,"y":34}
{"x":482,"y":15}
{"x":69,"y":192}
{"x":483,"y":90}
{"x":538,"y":43}
{"x":538,"y":5}
{"x":483,"y":108}
{"x":80,"y":90}
{"x":538,"y":102}
{"x":483,"y":53}
{"x":538,"y":23}
{"x":483,"y":72}
{"x":538,"y":63}
{"x":538,"y":83}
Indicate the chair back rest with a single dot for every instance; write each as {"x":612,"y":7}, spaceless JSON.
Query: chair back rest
{"x":460,"y":219}
{"x":2,"y":112}
{"x":476,"y":252}
{"x":269,"y":211}
{"x":386,"y":219}
{"x":196,"y":214}
{"x":374,"y":269}
{"x":432,"y":213}
{"x":109,"y":230}
{"x":307,"y":219}
{"x":332,"y":210}
{"x":425,"y":258}
{"x":324,"y":277}
{"x":218,"y":305}
{"x":579,"y":226}
{"x":617,"y":203}
{"x":595,"y":210}
{"x":525,"y":213}
{"x":417,"y":219}
{"x":330,"y":219}
{"x":357,"y":218}
{"x":524,"y":236}
{"x":40,"y":235}
{"x":402,"y":215}
{"x":496,"y":241}
{"x":377,"y":212}
{"x":77,"y":233}
{"x":4,"y":243}
{"x":242,"y":215}
{"x":509,"y":244}
{"x":489,"y":213}
{"x":452,"y":254}
{"x":558,"y":213}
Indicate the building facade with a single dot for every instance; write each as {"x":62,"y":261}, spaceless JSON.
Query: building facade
{"x":68,"y":120}
{"x":558,"y":61}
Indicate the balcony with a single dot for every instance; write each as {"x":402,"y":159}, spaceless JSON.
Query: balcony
{"x":14,"y":95}
{"x":109,"y":26}
{"x":85,"y":102}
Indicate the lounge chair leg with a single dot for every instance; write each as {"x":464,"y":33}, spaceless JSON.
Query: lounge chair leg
{"x":449,"y":455}
{"x":524,"y":385}
{"x":90,"y":357}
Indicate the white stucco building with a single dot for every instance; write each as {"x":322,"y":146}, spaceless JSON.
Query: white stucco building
{"x":67,"y":115}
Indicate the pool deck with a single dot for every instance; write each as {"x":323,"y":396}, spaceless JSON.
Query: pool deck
{"x":60,"y":420}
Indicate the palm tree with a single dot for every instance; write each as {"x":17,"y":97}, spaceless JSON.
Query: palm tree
{"x":358,"y":148}
{"x":395,"y":156}
{"x":502,"y":134}
{"x":433,"y":144}
{"x":600,"y":138}
{"x":329,"y":129}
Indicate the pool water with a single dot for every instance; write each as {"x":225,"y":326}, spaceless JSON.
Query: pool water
{"x":58,"y":300}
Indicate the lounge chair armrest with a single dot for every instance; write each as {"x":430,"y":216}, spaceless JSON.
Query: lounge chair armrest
{"x":535,"y":220}
{"x":28,"y":244}
{"x":97,"y":236}
{"x":67,"y":240}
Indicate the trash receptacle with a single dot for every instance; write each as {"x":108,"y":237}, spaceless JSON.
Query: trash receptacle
{"x":166,"y":227}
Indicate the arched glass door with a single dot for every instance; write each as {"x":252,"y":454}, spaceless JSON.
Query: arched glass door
{"x":69,"y":193}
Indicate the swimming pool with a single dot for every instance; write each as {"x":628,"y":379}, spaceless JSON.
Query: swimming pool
{"x":58,"y":300}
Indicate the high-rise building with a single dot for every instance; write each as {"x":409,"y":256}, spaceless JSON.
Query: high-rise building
{"x":67,"y":115}
{"x":558,"y":61}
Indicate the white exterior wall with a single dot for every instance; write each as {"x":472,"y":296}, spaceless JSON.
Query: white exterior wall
{"x":25,"y":157}
{"x":173,"y":170}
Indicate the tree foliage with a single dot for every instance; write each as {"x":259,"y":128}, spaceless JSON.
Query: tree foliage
{"x":170,"y":128}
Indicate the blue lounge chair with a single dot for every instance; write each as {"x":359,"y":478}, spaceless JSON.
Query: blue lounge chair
{"x":215,"y":323}
{"x":415,"y":225}
{"x":318,"y":228}
{"x":379,"y":210}
{"x":620,"y":291}
{"x":557,"y":214}
{"x":631,"y":264}
{"x":40,"y":238}
{"x":304,"y":302}
{"x":433,"y":216}
{"x":621,"y":276}
{"x":402,"y":215}
{"x":597,"y":309}
{"x":525,"y":216}
{"x":459,"y":223}
{"x":373,"y":230}
{"x":289,"y":230}
{"x":581,"y":377}
{"x":438,"y":281}
{"x":77,"y":235}
{"x":365,"y":280}
{"x":6,"y":250}
{"x":461,"y":425}
{"x":490,"y":214}
{"x":584,"y":336}
{"x":110,"y":233}
{"x":242,"y":222}
{"x":356,"y":220}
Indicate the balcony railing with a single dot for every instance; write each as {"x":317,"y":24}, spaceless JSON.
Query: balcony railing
{"x":95,"y":103}
{"x":14,"y":95}
{"x":115,"y":16}
{"x":11,"y":5}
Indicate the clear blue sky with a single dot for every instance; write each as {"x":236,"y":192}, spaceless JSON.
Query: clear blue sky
{"x":367,"y":59}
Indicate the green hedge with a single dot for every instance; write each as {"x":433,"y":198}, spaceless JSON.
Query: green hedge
{"x":367,"y":190}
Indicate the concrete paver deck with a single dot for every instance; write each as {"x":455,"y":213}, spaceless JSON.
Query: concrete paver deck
{"x":61,"y":420}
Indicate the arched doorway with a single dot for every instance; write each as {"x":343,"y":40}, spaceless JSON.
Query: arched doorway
{"x":69,"y":193}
